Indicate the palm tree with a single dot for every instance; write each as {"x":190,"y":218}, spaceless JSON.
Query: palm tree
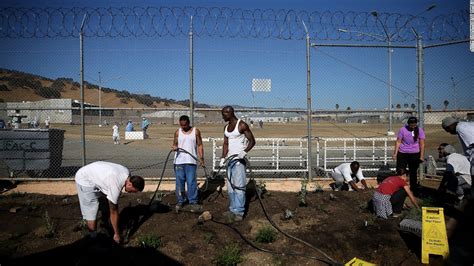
{"x":446,"y":103}
{"x":413,"y":106}
{"x":405,"y":105}
{"x":428,"y":107}
{"x":337,"y":109}
{"x":399,"y":106}
{"x":348,"y":108}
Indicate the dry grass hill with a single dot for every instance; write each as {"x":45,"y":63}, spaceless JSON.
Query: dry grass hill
{"x":16,"y":86}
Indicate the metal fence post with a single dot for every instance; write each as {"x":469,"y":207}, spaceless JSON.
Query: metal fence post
{"x":308,"y":93}
{"x":191,"y":73}
{"x":421,"y":88}
{"x":83,"y":129}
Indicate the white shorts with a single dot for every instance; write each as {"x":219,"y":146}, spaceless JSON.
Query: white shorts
{"x":89,"y":201}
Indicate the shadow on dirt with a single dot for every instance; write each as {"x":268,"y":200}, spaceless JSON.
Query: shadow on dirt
{"x":101,"y":250}
{"x":132,"y":217}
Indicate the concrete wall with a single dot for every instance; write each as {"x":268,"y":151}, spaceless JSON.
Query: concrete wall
{"x":55,"y":116}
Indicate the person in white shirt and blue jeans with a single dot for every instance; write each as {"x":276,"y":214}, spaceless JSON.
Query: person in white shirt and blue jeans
{"x":238,"y":141}
{"x":187,"y":138}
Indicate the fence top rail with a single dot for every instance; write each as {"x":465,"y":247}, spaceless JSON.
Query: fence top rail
{"x":361,"y":139}
{"x":264,"y":139}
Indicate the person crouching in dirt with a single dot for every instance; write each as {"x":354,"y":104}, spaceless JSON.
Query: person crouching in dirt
{"x":99,"y":179}
{"x":457,"y":176}
{"x":236,"y":134}
{"x":346,"y":176}
{"x":390,"y":195}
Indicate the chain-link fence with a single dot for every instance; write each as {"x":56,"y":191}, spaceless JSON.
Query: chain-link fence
{"x":360,"y":94}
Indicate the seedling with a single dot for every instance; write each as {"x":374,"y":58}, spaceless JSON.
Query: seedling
{"x":50,"y":225}
{"x":150,"y":241}
{"x":303,"y":193}
{"x":266,"y":234}
{"x":208,"y":237}
{"x":229,"y":256}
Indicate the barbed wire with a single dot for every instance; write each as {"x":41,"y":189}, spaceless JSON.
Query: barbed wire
{"x":230,"y":23}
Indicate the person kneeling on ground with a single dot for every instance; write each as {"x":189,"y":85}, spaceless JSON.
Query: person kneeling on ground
{"x":99,"y":179}
{"x":348,"y":173}
{"x":390,"y":195}
{"x":457,"y":176}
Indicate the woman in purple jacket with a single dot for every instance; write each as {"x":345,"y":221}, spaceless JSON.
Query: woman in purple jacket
{"x":410,"y":149}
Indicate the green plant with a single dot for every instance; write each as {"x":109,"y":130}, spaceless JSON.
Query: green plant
{"x":50,"y":225}
{"x":208,"y":237}
{"x":303,"y":192}
{"x":262,"y":187}
{"x":229,"y":256}
{"x":150,"y":241}
{"x":266,"y":234}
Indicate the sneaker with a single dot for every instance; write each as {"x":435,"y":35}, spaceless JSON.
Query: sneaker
{"x":179,"y":207}
{"x":333,"y":187}
{"x":231,"y":217}
{"x":396,"y":215}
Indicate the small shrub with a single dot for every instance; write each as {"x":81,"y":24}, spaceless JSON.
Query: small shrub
{"x":266,"y":234}
{"x":229,"y":256}
{"x":150,"y":241}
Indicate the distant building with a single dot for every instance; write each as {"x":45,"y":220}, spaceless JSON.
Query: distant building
{"x":57,"y":110}
{"x":270,"y":117}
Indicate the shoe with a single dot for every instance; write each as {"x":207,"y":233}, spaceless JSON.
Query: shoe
{"x":179,"y":207}
{"x":396,"y":215}
{"x":333,"y":187}
{"x":231,"y":217}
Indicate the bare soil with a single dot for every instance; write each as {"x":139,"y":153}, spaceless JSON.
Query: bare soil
{"x":340,"y":227}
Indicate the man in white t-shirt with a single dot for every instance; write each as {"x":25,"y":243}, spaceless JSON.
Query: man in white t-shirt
{"x":457,"y":176}
{"x":116,"y":134}
{"x":465,"y":132}
{"x":348,"y":173}
{"x":107,"y":179}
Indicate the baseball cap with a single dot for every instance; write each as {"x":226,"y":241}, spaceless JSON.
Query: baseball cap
{"x":448,"y":121}
{"x":449,"y":149}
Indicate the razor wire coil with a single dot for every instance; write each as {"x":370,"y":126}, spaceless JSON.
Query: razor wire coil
{"x":284,"y":24}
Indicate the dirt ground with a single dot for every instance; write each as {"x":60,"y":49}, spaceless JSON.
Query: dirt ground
{"x":40,"y":228}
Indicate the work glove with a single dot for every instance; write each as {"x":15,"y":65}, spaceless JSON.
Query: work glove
{"x":241,"y":155}
{"x":222,"y":162}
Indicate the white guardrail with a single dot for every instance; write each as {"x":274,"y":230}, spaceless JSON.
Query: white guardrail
{"x":271,"y":155}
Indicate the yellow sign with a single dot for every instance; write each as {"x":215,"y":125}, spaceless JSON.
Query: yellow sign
{"x":434,"y":240}
{"x":358,"y":262}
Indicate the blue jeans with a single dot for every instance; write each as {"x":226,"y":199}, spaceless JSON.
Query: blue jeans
{"x":236,"y":172}
{"x":186,"y":173}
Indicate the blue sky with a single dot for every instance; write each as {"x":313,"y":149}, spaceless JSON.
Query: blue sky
{"x":224,"y":67}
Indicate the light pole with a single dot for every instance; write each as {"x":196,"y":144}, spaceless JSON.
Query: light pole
{"x":387,"y":39}
{"x":455,"y":83}
{"x":100,"y":95}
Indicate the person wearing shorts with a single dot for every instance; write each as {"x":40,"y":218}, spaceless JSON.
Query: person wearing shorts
{"x":104,"y":179}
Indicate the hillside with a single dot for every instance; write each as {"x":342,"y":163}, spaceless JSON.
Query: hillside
{"x":16,"y":86}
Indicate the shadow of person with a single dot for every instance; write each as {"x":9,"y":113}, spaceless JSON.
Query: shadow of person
{"x":211,"y":186}
{"x":101,"y":250}
{"x":132,"y":217}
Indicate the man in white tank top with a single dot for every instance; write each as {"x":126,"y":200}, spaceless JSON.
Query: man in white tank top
{"x":189,"y":139}
{"x":238,"y":141}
